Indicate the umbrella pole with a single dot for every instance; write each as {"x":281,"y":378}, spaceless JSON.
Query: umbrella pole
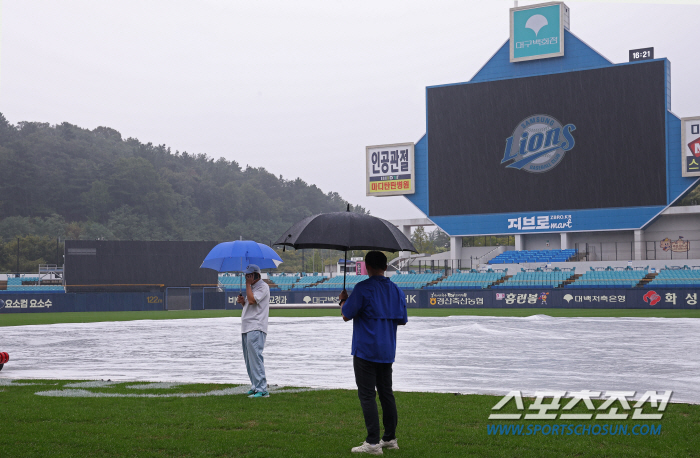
{"x":345,"y":259}
{"x":345,"y":268}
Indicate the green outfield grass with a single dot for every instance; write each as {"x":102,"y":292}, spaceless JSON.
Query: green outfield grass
{"x":306,"y":424}
{"x":20,"y":319}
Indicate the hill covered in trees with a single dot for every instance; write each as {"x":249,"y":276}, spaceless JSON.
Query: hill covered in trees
{"x":73,"y":183}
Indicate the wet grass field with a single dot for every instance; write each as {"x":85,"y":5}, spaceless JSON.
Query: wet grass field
{"x":325,"y":423}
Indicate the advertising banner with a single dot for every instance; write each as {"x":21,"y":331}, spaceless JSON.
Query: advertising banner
{"x":390,"y":169}
{"x":593,"y":298}
{"x":537,"y":31}
{"x":690,"y":146}
{"x":80,"y":302}
{"x":612,"y":298}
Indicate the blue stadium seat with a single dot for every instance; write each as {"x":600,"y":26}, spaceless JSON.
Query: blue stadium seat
{"x":543,"y":256}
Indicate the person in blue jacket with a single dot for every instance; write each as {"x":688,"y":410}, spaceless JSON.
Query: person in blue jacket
{"x":376,"y":307}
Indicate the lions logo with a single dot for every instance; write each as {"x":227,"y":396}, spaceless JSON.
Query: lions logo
{"x":541,"y":144}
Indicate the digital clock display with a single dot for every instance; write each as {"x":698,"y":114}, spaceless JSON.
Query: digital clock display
{"x":641,"y":54}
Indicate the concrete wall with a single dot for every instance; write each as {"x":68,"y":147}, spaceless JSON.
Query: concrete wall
{"x":539,"y":242}
{"x":476,"y":253}
{"x":600,"y":237}
{"x":673,"y":226}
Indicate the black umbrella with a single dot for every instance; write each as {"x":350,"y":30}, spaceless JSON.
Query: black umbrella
{"x":345,"y":231}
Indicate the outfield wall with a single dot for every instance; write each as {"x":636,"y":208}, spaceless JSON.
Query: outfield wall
{"x":611,"y":298}
{"x":685,"y":298}
{"x":80,"y":302}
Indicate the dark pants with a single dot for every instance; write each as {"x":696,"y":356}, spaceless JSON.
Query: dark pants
{"x":369,"y":375}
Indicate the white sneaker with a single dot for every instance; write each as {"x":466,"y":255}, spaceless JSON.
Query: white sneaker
{"x":391,"y":445}
{"x":368,"y":448}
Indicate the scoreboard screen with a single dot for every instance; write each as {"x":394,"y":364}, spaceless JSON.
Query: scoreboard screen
{"x":579,"y":140}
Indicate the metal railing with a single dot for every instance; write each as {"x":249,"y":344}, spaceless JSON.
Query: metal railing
{"x":650,"y":250}
{"x":447,"y":267}
{"x":605,"y":251}
{"x":672,"y":249}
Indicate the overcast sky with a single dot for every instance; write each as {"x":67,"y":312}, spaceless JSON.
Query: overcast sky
{"x":298,"y":87}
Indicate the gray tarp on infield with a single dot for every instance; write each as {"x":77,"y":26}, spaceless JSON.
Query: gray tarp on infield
{"x":463,"y":354}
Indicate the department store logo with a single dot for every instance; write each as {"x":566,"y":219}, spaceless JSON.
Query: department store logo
{"x":538,"y":144}
{"x":537,"y":31}
{"x":652,"y":298}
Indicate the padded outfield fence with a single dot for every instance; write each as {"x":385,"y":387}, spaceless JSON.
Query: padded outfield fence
{"x":611,"y":298}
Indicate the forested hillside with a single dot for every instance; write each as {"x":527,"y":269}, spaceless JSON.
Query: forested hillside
{"x":73,"y":183}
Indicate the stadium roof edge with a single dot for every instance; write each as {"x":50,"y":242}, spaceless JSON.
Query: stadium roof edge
{"x":412,"y":222}
{"x":685,"y":210}
{"x":506,"y":43}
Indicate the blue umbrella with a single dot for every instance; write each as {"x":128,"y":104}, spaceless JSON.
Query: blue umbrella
{"x":237,"y":255}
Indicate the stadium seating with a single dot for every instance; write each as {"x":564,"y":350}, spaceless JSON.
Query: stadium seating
{"x":284,"y":282}
{"x":517,"y":257}
{"x":308,"y":280}
{"x":594,"y":278}
{"x":679,"y":277}
{"x":610,"y":278}
{"x":469,"y":280}
{"x":36,"y":288}
{"x":337,"y":282}
{"x":20,"y":284}
{"x":536,"y":279}
{"x":231,"y":282}
{"x":17,"y":281}
{"x":295,"y":281}
{"x":414,"y":281}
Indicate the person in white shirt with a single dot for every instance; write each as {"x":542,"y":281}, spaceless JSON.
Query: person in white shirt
{"x":256,"y":310}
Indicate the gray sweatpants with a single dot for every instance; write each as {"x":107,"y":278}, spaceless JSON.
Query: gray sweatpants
{"x":253,"y":345}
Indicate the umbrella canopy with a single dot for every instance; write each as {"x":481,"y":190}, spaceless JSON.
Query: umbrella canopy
{"x":237,"y":255}
{"x":345,"y":231}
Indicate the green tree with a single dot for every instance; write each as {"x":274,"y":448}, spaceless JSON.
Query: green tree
{"x":16,"y":226}
{"x":96,"y":231}
{"x":97,"y":200}
{"x":421,"y":241}
{"x":33,"y":250}
{"x":440,"y":240}
{"x":65,"y":181}
{"x":692,"y":198}
{"x":127,"y":224}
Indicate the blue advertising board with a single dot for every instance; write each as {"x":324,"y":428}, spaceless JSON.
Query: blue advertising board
{"x":80,"y":302}
{"x":610,"y":298}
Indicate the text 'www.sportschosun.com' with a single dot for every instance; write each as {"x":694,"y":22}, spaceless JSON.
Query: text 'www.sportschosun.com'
{"x":638,"y":429}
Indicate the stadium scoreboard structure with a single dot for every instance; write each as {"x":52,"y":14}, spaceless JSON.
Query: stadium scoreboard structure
{"x":604,"y":146}
{"x":94,"y":265}
{"x":550,"y":136}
